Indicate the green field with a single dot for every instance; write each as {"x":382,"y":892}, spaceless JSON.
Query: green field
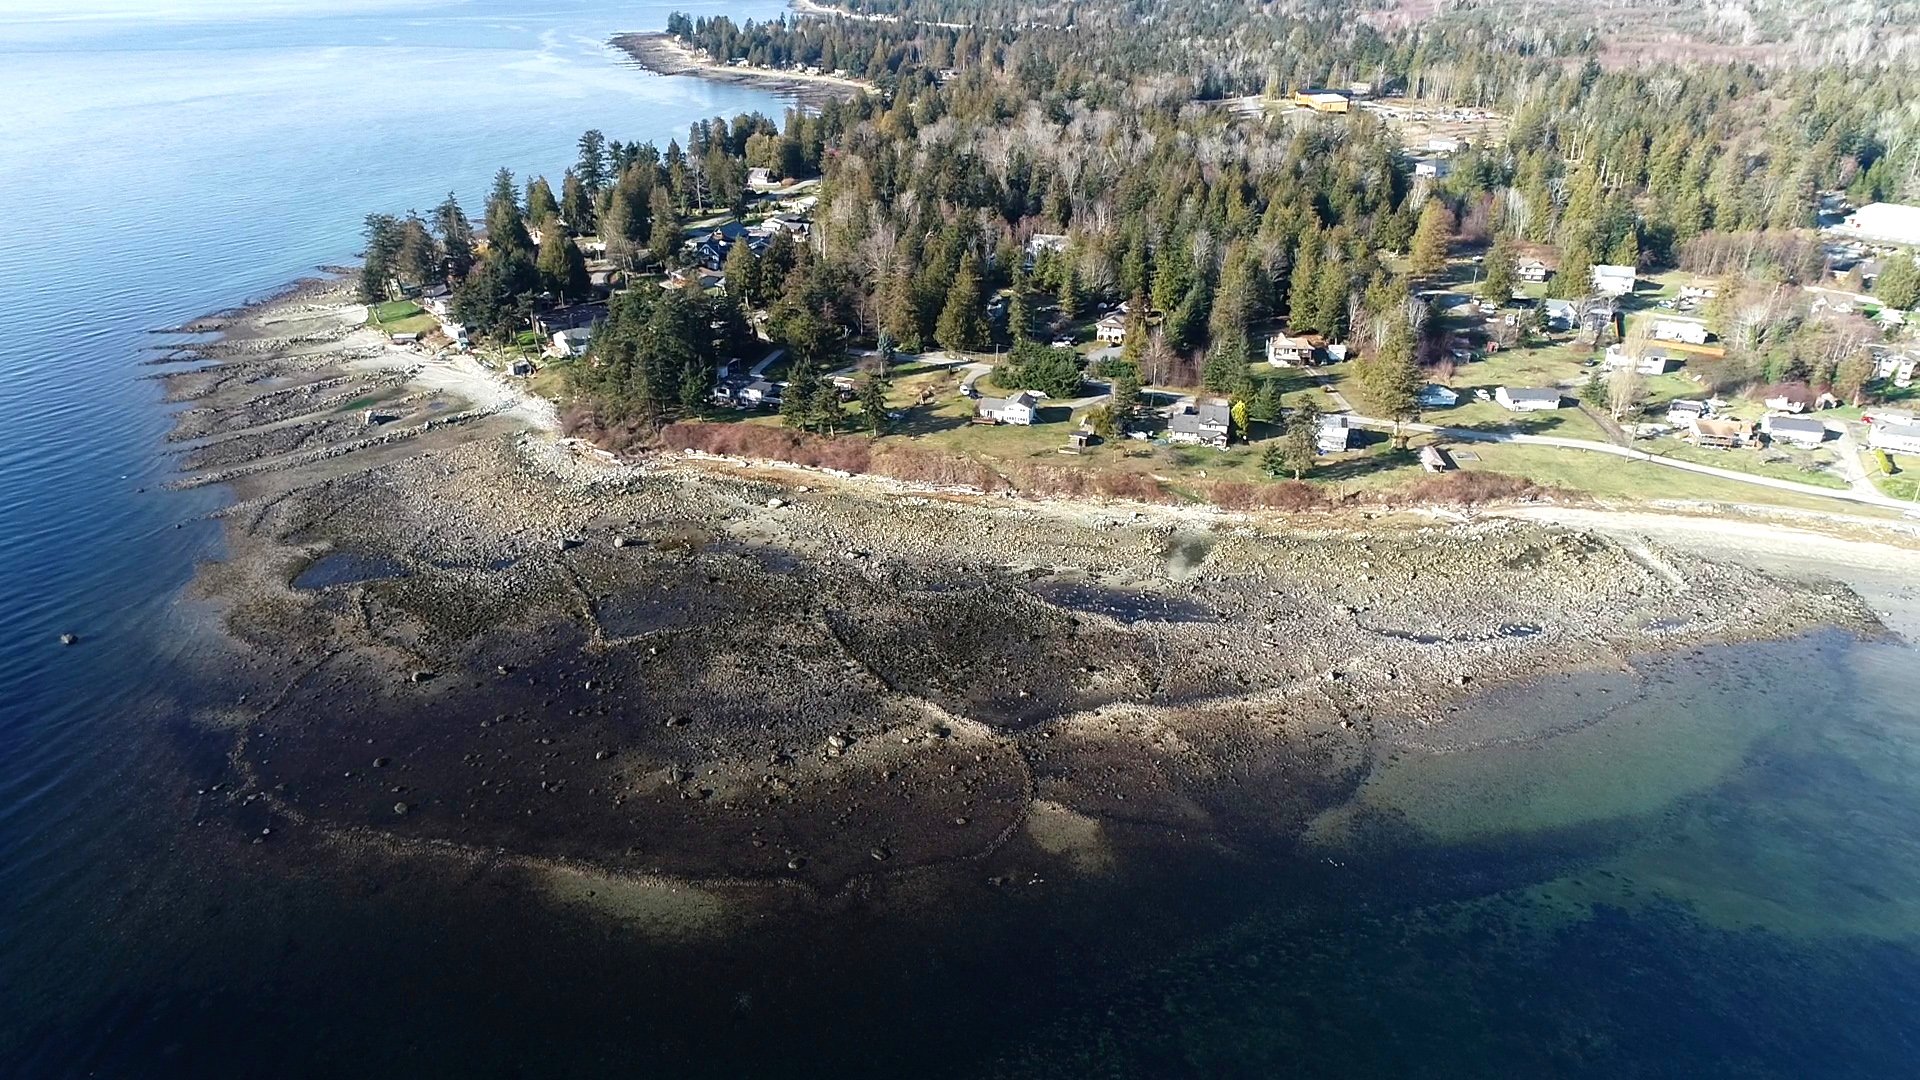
{"x":401,"y":317}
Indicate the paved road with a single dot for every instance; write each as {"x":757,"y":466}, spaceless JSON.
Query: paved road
{"x":1871,"y":496}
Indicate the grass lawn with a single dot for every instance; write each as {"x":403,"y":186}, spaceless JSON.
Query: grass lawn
{"x":1608,"y":477}
{"x":1801,"y":466}
{"x":1902,"y":483}
{"x":401,"y":317}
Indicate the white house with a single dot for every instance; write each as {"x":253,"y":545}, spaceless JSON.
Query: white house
{"x":1903,"y":438}
{"x":1432,"y":168}
{"x":1691,"y":331}
{"x":571,"y":342}
{"x":1111,"y":330}
{"x":1040,"y":243}
{"x":1526,"y":399}
{"x":1018,"y":409}
{"x":1284,"y":351}
{"x":1683,"y":411}
{"x":1613,"y":280}
{"x":1332,"y":436}
{"x":1802,"y":431}
{"x":1435,"y":396}
{"x":1884,"y":223}
{"x":1533,"y":270}
{"x":1649,"y":362}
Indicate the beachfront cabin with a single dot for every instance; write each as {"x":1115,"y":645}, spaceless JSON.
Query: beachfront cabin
{"x":1018,"y":409}
{"x":1286,"y":351}
{"x":1332,"y":435}
{"x":1435,"y":396}
{"x":1527,"y":399}
{"x":1719,"y":434}
{"x":1802,"y":431}
{"x":1205,"y":424}
{"x":1110,"y":330}
{"x":1613,"y":280}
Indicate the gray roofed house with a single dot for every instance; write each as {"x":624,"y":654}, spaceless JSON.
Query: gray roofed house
{"x":1900,"y":438}
{"x":1802,"y":431}
{"x":1331,"y":438}
{"x":1205,"y":424}
{"x":1527,"y":399}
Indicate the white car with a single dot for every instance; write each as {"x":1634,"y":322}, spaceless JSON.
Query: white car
{"x":1063,"y":343}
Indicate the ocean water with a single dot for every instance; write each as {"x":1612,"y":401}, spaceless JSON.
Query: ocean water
{"x":1713,"y":871}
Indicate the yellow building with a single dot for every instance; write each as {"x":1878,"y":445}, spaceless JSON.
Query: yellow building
{"x":1326,"y":101}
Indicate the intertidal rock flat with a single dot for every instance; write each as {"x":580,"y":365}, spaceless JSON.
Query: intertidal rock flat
{"x":734,"y":676}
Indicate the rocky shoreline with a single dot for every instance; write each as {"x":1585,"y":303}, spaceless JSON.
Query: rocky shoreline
{"x":662,"y":54}
{"x":476,"y":640}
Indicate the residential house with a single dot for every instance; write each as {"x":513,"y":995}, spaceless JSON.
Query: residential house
{"x":1285,"y":351}
{"x":1111,"y":330}
{"x":1697,"y":293}
{"x":571,"y":317}
{"x":1691,"y":331}
{"x":1785,"y":404}
{"x":1432,"y":168}
{"x":1650,"y":361}
{"x":1018,"y":409}
{"x":1719,"y":434}
{"x":1331,"y":438}
{"x":571,"y":343}
{"x":1802,"y":431}
{"x":1613,"y":280}
{"x":758,"y":392}
{"x":1683,"y":411}
{"x":1435,"y":396}
{"x":1205,"y":424}
{"x":1903,"y":438}
{"x":1439,"y":145}
{"x":1561,"y":315}
{"x":522,"y":368}
{"x":1527,"y":399}
{"x":1532,"y":270}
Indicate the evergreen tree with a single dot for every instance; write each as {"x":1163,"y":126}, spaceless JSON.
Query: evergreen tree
{"x":873,"y":404}
{"x":592,"y":168}
{"x":1393,"y":376}
{"x":1330,"y":299}
{"x":576,"y":204}
{"x":1498,"y":287}
{"x":900,"y":310}
{"x":1301,"y":317}
{"x":417,"y":260}
{"x":1265,"y":405}
{"x":456,"y":236}
{"x":1020,"y":307}
{"x":1898,"y":285}
{"x":1070,"y":298}
{"x":540,"y":204}
{"x":382,"y":234}
{"x":563,"y":270}
{"x":1301,"y":444}
{"x":962,"y":327}
{"x":742,"y":272}
{"x":1126,"y":397}
{"x":1431,"y":237}
{"x":506,"y":229}
{"x":797,"y":400}
{"x":663,"y":242}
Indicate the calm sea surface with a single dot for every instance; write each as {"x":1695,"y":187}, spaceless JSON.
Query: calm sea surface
{"x":1719,"y":878}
